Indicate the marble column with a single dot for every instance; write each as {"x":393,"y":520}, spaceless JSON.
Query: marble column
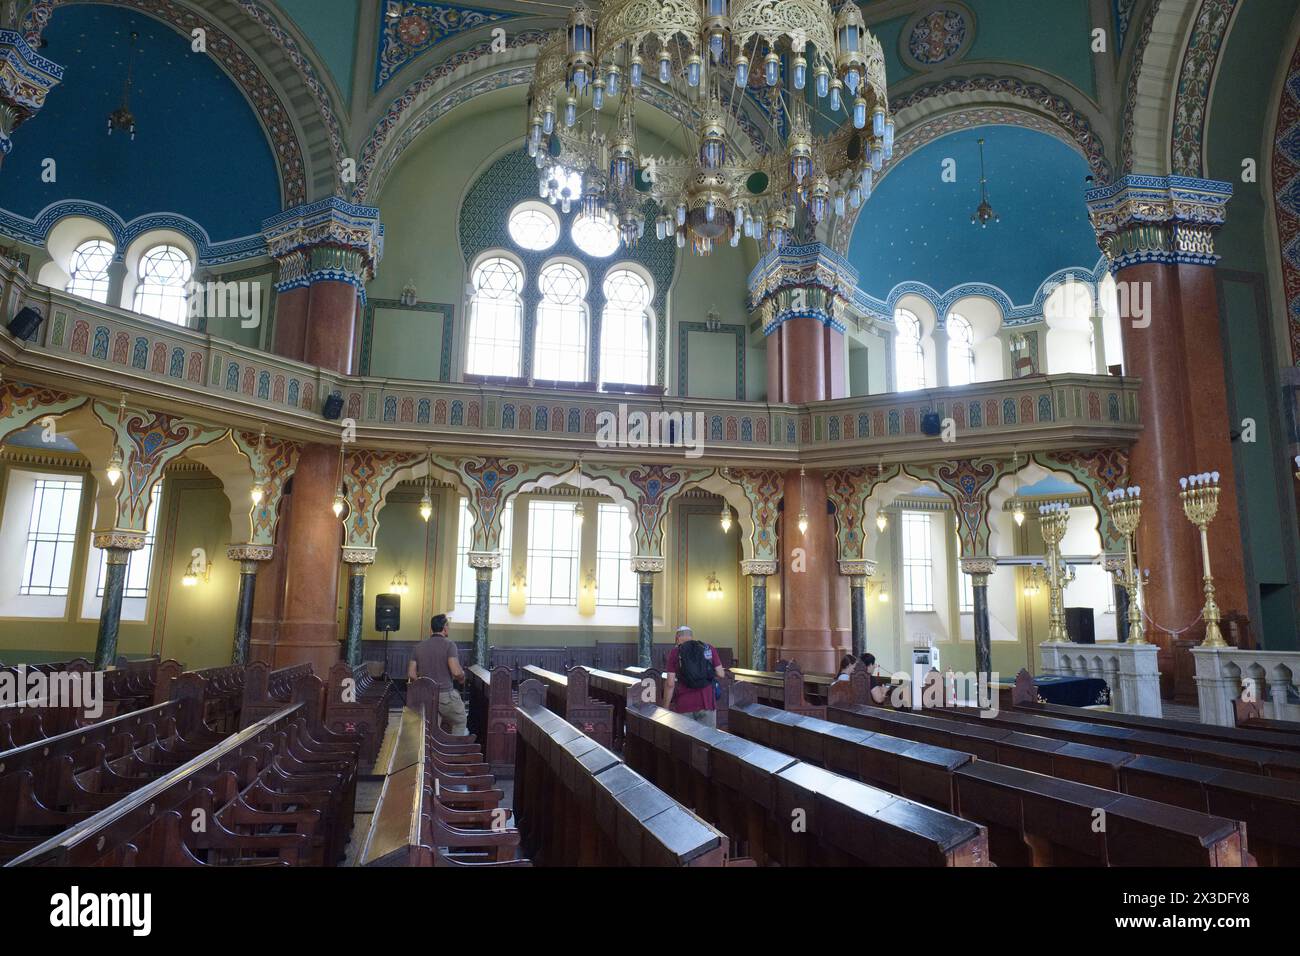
{"x":313,"y":537}
{"x":1158,"y":234}
{"x":809,"y":634}
{"x":979,"y":569}
{"x":250,"y":558}
{"x":646,"y":567}
{"x":858,"y":572}
{"x":358,"y":561}
{"x":117,"y":547}
{"x":758,"y":573}
{"x":485,"y":564}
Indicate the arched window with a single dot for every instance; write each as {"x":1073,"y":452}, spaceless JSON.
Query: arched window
{"x":534,"y":226}
{"x":89,"y":270}
{"x":909,"y":360}
{"x":961,"y":351}
{"x":495,"y":318}
{"x":561,"y":347}
{"x":625,"y":329}
{"x":595,"y":235}
{"x":164,"y":277}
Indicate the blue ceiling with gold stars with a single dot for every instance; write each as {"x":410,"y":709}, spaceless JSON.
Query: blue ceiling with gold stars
{"x":917,"y":227}
{"x":199,"y":150}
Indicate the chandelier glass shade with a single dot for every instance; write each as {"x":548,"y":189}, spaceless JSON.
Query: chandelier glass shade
{"x":782,"y":105}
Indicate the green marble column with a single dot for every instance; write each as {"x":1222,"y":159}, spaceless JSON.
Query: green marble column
{"x":250,"y":558}
{"x":117,"y":546}
{"x":356,"y":612}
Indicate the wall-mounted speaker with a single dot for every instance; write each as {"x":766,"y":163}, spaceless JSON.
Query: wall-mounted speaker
{"x":388,"y":612}
{"x":931,"y":424}
{"x":25,"y":324}
{"x":333,"y":409}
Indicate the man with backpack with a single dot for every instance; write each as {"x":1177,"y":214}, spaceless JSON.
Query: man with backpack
{"x":694,"y":670}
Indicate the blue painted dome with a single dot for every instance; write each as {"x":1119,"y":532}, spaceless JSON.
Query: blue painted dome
{"x":917,"y":227}
{"x":199,"y":150}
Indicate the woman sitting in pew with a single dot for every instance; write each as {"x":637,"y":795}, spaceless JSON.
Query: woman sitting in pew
{"x":847,"y":663}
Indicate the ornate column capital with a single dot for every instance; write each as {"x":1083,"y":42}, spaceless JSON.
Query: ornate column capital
{"x":26,"y":78}
{"x":647,"y":564}
{"x":359,"y":556}
{"x":795,"y":282}
{"x":980,"y":565}
{"x":118,"y":540}
{"x":858,"y":569}
{"x":1162,"y":219}
{"x":758,"y":569}
{"x":250,"y":552}
{"x":327,"y":240}
{"x":485,"y":560}
{"x":1114,"y":563}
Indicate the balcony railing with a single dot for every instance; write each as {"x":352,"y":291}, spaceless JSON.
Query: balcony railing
{"x":88,"y":348}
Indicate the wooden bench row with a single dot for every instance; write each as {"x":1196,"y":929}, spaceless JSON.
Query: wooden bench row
{"x":568,"y":695}
{"x":356,"y":702}
{"x":783,"y":811}
{"x":1033,"y":819}
{"x":580,"y":805}
{"x":279,"y":792}
{"x":438,"y":806}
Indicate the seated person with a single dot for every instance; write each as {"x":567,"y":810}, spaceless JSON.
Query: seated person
{"x":847,"y":663}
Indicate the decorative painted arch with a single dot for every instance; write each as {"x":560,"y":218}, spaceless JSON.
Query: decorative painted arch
{"x":1152,"y":95}
{"x":849,"y":490}
{"x":1099,"y":470}
{"x":267,"y":64}
{"x":473,"y":72}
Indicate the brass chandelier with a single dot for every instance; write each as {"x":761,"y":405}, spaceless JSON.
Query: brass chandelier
{"x":817,"y":75}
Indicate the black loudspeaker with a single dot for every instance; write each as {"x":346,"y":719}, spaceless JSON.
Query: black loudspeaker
{"x":388,"y":612}
{"x":333,"y":409}
{"x":1079,"y":625}
{"x":931,"y":423}
{"x":25,"y":324}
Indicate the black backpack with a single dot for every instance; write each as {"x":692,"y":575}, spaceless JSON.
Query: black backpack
{"x":693,"y":665}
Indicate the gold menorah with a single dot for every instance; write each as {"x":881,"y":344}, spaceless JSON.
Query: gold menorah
{"x":1052,"y":521}
{"x":1125,"y":509}
{"x":1200,"y":496}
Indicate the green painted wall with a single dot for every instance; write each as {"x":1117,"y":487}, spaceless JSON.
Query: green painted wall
{"x":422,"y":199}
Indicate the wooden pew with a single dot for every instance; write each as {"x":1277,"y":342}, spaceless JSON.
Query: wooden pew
{"x":492,"y":716}
{"x":1249,"y":736}
{"x":267,"y":691}
{"x":816,"y":686}
{"x":568,"y":695}
{"x":1262,"y":803}
{"x":276,"y":793}
{"x":755,"y":794}
{"x":579,"y":804}
{"x":1059,"y":830}
{"x":223,"y":694}
{"x":412,"y":827}
{"x":788,"y":689}
{"x":1213,"y":753}
{"x":357,"y":703}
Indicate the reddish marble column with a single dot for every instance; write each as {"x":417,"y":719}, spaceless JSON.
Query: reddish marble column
{"x":309,"y":629}
{"x":291,"y":308}
{"x":803,"y":361}
{"x":1155,"y":353}
{"x":1210,"y":431}
{"x":333,"y":318}
{"x":809,"y":632}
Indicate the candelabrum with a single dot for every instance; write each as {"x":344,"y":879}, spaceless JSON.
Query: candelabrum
{"x":1200,"y":497}
{"x":1125,"y":508}
{"x":1053,"y":519}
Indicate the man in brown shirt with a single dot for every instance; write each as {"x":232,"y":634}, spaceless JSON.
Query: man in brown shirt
{"x":436,"y":657}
